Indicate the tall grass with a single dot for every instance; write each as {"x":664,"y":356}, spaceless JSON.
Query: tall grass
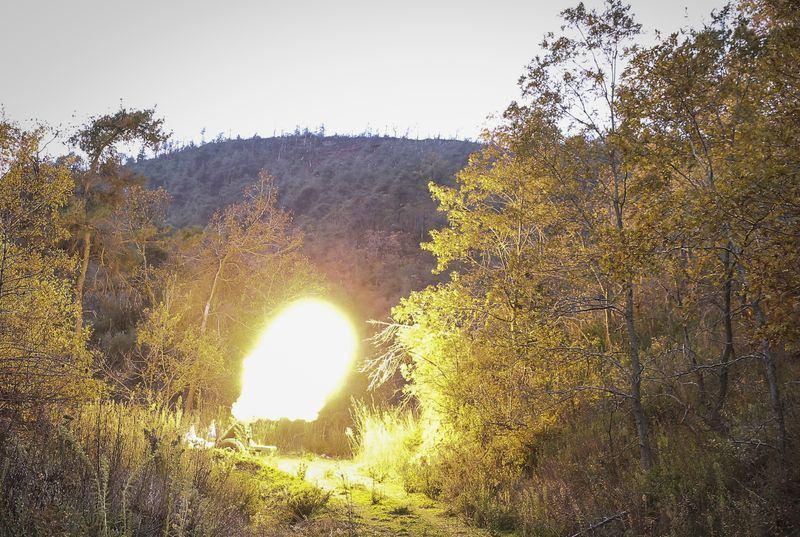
{"x":323,"y":436}
{"x":391,"y":442}
{"x":567,"y":481}
{"x":383,"y":437}
{"x":117,"y":470}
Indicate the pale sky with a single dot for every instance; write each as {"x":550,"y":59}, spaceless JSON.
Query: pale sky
{"x":246,"y":66}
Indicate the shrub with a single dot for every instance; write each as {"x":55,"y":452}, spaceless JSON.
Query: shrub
{"x":113,"y":469}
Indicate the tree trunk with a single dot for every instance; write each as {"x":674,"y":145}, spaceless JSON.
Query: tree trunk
{"x":207,"y":308}
{"x":607,"y":315}
{"x":190,"y":396}
{"x":688,"y":348}
{"x":771,"y":373}
{"x":3,"y":267}
{"x":87,"y":248}
{"x":639,"y":416}
{"x":717,"y":423}
{"x":635,"y":379}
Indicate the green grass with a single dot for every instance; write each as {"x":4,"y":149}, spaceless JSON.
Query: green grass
{"x":352,"y":509}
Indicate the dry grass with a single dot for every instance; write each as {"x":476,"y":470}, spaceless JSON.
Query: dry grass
{"x":574,"y":481}
{"x":115,"y":470}
{"x":390,"y":443}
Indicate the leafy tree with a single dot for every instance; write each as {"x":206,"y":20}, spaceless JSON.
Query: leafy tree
{"x":215,"y":294}
{"x":548,"y":230}
{"x":42,"y":358}
{"x":715,"y":123}
{"x":626,"y":240}
{"x":102,"y":182}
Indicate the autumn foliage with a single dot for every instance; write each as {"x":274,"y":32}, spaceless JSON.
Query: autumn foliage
{"x":611,"y":348}
{"x":618,"y":330}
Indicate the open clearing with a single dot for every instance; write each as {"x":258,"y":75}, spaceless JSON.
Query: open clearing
{"x":370,"y":506}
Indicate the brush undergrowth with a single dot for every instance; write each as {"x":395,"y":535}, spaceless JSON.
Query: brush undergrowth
{"x":566,"y":480}
{"x":390,"y":442}
{"x":117,"y":470}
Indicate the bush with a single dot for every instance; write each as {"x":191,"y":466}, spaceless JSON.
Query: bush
{"x":567,"y":479}
{"x":390,"y":441}
{"x":291,"y":496}
{"x":325,"y":436}
{"x":304,"y":501}
{"x":574,"y":482}
{"x":119,"y":470}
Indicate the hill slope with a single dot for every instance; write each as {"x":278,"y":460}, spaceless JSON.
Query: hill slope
{"x":363,"y":202}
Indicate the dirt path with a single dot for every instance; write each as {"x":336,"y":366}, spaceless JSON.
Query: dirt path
{"x":375,"y":507}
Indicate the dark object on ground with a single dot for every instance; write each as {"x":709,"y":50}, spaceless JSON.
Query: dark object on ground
{"x":239,"y":438}
{"x":236,"y":438}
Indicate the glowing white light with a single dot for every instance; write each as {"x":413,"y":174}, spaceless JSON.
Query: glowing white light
{"x":301,"y":360}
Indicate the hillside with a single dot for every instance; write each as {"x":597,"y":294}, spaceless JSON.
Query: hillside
{"x":362,"y":202}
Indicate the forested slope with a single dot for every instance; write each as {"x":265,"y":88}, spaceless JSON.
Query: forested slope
{"x":363,"y":201}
